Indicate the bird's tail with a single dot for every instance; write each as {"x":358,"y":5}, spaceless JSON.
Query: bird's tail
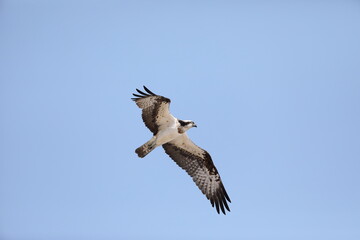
{"x":146,"y":148}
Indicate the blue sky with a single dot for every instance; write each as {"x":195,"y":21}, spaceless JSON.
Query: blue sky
{"x":274,"y":87}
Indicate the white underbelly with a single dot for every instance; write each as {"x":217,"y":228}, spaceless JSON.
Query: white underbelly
{"x":166,"y":135}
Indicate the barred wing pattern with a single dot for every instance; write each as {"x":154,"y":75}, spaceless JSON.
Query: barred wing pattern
{"x":198,"y":164}
{"x":155,"y":108}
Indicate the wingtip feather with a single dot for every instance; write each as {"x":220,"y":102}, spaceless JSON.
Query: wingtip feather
{"x":227,"y":196}
{"x":226,"y":206}
{"x":147,"y":90}
{"x":217,"y":206}
{"x":141,"y":92}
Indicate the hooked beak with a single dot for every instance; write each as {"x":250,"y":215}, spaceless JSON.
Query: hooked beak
{"x":194,"y":125}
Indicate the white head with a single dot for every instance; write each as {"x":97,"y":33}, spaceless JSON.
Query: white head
{"x":186,"y":124}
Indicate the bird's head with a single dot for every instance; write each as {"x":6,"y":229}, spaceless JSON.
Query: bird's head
{"x":187,"y":124}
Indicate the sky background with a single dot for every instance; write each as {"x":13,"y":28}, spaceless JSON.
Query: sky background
{"x":274,"y":87}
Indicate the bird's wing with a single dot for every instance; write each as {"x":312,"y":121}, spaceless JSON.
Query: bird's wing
{"x":155,"y":109}
{"x":198,"y":164}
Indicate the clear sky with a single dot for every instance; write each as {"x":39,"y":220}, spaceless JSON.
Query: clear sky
{"x":274,"y":87}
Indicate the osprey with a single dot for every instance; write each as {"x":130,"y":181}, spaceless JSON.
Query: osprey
{"x":170,"y":133}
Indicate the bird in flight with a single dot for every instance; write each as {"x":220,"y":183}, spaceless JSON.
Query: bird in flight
{"x":170,"y":133}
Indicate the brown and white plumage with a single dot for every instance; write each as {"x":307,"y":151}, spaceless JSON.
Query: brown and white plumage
{"x":170,"y":133}
{"x":154,"y":109}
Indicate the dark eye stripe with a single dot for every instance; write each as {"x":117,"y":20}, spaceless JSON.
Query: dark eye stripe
{"x":182,"y":123}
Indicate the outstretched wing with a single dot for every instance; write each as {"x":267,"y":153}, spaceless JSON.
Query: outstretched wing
{"x":155,"y":108}
{"x":198,"y":164}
